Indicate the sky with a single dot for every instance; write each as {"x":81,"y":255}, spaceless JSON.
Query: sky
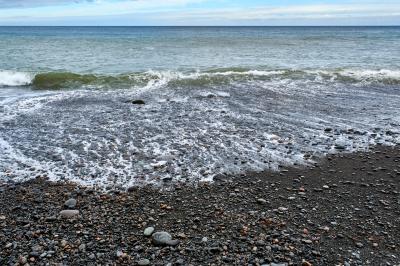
{"x":199,"y":12}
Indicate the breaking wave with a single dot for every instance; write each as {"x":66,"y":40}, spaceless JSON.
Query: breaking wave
{"x":68,"y":80}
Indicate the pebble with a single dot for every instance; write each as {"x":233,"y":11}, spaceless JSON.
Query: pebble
{"x":164,"y":239}
{"x":148,"y":231}
{"x":22,"y":260}
{"x":71,"y":203}
{"x":143,"y":262}
{"x":82,"y":247}
{"x":261,"y":201}
{"x":67,"y":214}
{"x":359,"y":245}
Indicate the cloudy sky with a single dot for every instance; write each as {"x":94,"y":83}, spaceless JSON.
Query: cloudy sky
{"x":199,"y":12}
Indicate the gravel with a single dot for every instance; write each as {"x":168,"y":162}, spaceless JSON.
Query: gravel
{"x":355,"y":221}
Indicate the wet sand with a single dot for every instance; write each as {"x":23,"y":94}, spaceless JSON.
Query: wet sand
{"x":343,"y":211}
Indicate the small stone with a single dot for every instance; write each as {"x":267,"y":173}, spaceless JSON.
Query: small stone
{"x":148,"y":231}
{"x":375,"y":245}
{"x":8,"y":245}
{"x":82,"y":247}
{"x":261,"y":201}
{"x":144,"y":262}
{"x":325,"y":228}
{"x":359,"y":245}
{"x":71,"y":203}
{"x":2,"y":217}
{"x":204,"y":239}
{"x":282,"y":209}
{"x":63,"y":243}
{"x":67,"y":214}
{"x":325,"y":187}
{"x":121,"y":254}
{"x":22,"y":260}
{"x":182,"y":235}
{"x":306,"y":263}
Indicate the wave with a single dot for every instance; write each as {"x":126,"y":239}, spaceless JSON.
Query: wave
{"x":64,"y":80}
{"x":11,"y":78}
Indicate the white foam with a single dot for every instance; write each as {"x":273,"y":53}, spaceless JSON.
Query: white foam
{"x":12,"y":78}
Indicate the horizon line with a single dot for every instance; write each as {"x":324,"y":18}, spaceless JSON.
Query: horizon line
{"x":209,"y":26}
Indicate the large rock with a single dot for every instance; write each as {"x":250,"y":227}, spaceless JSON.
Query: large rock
{"x":164,"y":239}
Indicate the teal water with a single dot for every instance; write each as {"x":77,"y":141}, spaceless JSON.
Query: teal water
{"x":219,"y":100}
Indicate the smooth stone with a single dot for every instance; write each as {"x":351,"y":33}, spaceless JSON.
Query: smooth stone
{"x":261,"y":201}
{"x":66,"y":214}
{"x":144,"y":262}
{"x":71,"y":203}
{"x":148,"y":231}
{"x":137,"y":102}
{"x":164,"y":239}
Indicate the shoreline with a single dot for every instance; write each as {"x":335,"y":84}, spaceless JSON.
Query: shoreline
{"x":345,"y":210}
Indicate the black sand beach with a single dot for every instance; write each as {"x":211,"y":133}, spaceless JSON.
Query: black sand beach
{"x":343,"y":211}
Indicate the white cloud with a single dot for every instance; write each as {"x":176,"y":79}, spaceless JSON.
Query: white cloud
{"x":176,"y":12}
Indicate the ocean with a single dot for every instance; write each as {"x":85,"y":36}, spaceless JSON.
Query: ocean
{"x":218,"y":100}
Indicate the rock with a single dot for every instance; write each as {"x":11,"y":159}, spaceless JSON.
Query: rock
{"x":22,"y":260}
{"x":164,"y":239}
{"x":325,"y":187}
{"x":71,"y":203}
{"x":282,"y":209}
{"x":68,"y":214}
{"x":359,"y":245}
{"x":148,"y":231}
{"x":261,"y":201}
{"x":121,"y":254}
{"x":204,"y":239}
{"x":2,"y":217}
{"x":82,"y":247}
{"x":137,"y":102}
{"x":144,"y":262}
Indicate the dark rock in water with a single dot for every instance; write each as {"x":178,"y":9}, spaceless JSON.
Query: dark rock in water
{"x":71,"y":203}
{"x":328,"y":129}
{"x":137,"y":102}
{"x":340,"y":147}
{"x":164,"y":239}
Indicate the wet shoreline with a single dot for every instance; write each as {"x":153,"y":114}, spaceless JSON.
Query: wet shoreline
{"x":344,"y":210}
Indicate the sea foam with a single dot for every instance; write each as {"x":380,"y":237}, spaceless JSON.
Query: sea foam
{"x":11,"y":78}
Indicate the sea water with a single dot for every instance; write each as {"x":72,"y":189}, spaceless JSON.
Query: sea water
{"x":218,"y":100}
